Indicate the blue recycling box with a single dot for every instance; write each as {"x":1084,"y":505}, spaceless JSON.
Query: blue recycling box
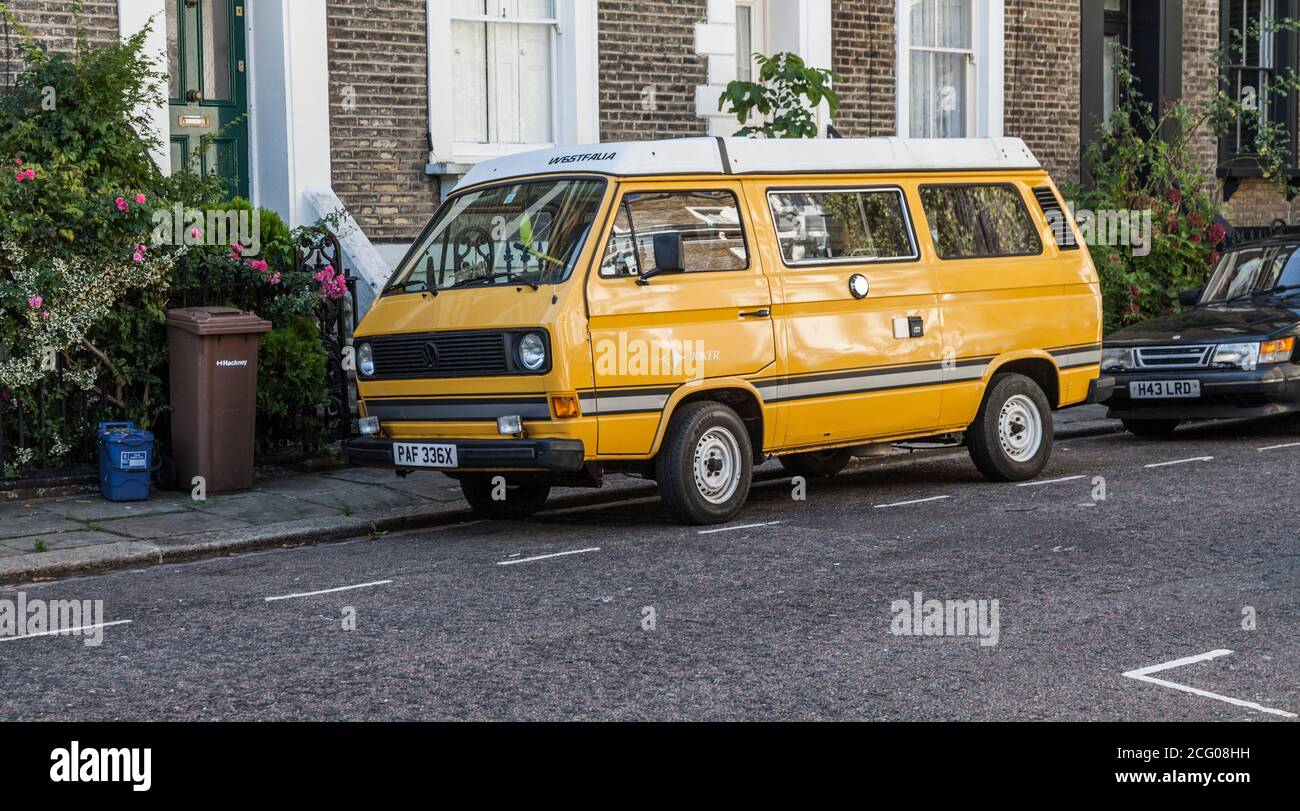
{"x":126,"y":461}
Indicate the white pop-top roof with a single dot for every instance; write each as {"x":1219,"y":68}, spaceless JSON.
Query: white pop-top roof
{"x":762,"y":156}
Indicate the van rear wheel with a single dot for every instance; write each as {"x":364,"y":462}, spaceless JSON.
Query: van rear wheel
{"x":817,"y":464}
{"x":706,"y":464}
{"x":521,"y":500}
{"x":1011,"y":438}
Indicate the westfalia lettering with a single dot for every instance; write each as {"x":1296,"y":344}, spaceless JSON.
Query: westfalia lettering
{"x":593,"y":156}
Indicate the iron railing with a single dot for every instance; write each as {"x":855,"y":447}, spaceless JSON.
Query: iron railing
{"x":30,"y":450}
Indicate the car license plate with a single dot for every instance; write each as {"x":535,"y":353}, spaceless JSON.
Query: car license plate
{"x":1164,"y":389}
{"x":407,"y":454}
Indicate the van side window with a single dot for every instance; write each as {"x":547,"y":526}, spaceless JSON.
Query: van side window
{"x":979,"y":221}
{"x":841,"y":226}
{"x":709,"y":222}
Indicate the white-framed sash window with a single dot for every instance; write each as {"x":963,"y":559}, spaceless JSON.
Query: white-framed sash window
{"x":950,"y":63}
{"x":509,"y":76}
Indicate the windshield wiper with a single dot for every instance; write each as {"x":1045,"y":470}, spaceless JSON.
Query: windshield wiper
{"x":484,"y":281}
{"x":1257,"y":293}
{"x":420,"y":285}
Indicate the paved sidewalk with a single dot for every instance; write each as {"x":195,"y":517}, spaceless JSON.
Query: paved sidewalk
{"x":58,"y":537}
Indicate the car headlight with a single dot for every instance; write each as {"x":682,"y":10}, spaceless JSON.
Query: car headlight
{"x":1242,"y":356}
{"x":1277,"y":351}
{"x":532,"y":352}
{"x":1116,"y":359}
{"x":365,"y":360}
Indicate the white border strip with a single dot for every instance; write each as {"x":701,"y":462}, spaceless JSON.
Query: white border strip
{"x":1144,"y":674}
{"x":545,"y":557}
{"x":910,"y":503}
{"x":63,"y":631}
{"x":1182,"y":461}
{"x":329,"y":591}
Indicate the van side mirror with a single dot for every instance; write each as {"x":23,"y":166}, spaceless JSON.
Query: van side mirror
{"x":670,"y":256}
{"x":1190,"y":298}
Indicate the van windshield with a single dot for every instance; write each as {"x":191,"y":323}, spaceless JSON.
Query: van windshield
{"x":521,"y":233}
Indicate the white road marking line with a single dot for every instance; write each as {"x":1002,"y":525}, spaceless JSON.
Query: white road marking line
{"x":910,"y":503}
{"x":1144,"y":674}
{"x":63,"y":631}
{"x":1281,"y":447}
{"x":733,"y":529}
{"x":1182,"y":461}
{"x":328,"y":591}
{"x":1051,"y":481}
{"x":544,"y":557}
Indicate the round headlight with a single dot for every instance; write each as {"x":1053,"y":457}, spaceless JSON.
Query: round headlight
{"x":532,"y":352}
{"x":365,"y":360}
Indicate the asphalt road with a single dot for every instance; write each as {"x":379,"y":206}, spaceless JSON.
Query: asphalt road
{"x":790,"y":619}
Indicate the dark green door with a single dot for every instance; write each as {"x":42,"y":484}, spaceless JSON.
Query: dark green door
{"x":208,"y":94}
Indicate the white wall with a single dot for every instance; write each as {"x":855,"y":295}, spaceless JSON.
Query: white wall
{"x":288,"y":105}
{"x":132,"y":16}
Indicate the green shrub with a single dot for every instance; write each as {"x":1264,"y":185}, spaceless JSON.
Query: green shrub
{"x":292,"y":390}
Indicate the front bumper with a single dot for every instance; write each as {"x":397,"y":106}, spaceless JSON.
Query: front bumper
{"x":1225,"y":394}
{"x":541,"y":455}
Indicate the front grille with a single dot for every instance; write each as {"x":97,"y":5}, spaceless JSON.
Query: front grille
{"x":1174,"y":357}
{"x":447,"y":354}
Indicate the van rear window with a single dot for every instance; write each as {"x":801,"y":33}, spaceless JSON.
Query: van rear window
{"x":834,"y":225}
{"x":979,"y":220}
{"x":709,"y":222}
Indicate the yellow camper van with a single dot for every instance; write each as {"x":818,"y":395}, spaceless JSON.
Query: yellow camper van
{"x":685,"y":309}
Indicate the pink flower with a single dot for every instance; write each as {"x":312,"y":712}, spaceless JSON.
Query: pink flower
{"x":274,"y":278}
{"x":31,"y":174}
{"x":121,"y":204}
{"x":259,"y":265}
{"x":20,"y":161}
{"x":45,"y":314}
{"x":237,"y":248}
{"x":194,"y":232}
{"x":140,"y":199}
{"x":138,"y":257}
{"x":35,"y":302}
{"x":20,"y":177}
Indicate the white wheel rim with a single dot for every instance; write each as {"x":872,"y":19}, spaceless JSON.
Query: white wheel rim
{"x":1020,"y":428}
{"x":717,"y":465}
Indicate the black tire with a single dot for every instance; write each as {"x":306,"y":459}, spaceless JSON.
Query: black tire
{"x":1153,"y":429}
{"x":1008,"y":461}
{"x":817,"y":464}
{"x":523,"y":499}
{"x":675,"y":467}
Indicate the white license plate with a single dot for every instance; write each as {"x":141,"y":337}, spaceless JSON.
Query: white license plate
{"x":1164,"y":389}
{"x":409,"y":454}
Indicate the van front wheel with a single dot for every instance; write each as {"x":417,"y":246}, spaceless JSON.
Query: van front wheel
{"x":1011,"y":438}
{"x":706,"y":464}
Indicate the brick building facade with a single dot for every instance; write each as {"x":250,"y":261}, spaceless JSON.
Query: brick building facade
{"x":365,"y":99}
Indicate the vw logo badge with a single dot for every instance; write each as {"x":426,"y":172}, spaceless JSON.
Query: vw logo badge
{"x":431,"y":355}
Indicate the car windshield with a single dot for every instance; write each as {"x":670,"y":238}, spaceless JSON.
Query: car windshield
{"x":521,"y":233}
{"x":1253,"y":271}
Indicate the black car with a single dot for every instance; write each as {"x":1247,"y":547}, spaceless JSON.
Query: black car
{"x":1232,"y":354}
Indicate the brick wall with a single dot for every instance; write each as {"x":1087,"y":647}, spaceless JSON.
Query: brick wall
{"x":650,"y":44}
{"x":379,"y":115}
{"x":1041,"y":98}
{"x":863,"y":53}
{"x":52,"y":21}
{"x":1200,"y":76}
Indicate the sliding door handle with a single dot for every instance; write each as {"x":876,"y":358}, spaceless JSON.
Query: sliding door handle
{"x":763,"y":313}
